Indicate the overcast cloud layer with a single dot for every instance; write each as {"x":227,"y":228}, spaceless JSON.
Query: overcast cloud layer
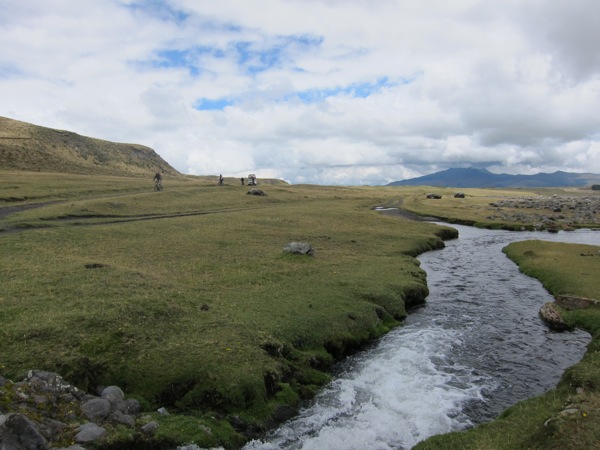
{"x":315,"y":91}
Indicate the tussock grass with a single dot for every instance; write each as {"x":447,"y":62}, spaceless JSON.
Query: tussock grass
{"x":185,"y":299}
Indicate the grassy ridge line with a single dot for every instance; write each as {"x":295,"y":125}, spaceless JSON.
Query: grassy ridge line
{"x":540,"y":422}
{"x":200,"y":310}
{"x":24,"y":146}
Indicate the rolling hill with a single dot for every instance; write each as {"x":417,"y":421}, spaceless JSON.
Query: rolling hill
{"x":24,"y":146}
{"x":482,"y":178}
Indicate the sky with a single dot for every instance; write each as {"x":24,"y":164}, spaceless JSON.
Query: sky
{"x":335,"y":92}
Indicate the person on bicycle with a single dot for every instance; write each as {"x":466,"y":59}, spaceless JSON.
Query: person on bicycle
{"x":157,"y":181}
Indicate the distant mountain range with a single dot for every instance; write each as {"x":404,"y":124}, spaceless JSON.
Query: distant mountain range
{"x":24,"y":146}
{"x":482,"y":178}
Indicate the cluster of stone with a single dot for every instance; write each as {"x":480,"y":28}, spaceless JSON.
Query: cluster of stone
{"x":44,"y":412}
{"x":554,"y":212}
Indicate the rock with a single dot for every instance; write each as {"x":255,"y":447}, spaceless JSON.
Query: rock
{"x":123,"y":419}
{"x":163,"y":411}
{"x":434,"y":196}
{"x":89,"y":432}
{"x":132,"y":407}
{"x":52,"y":382}
{"x":459,"y":195}
{"x":96,"y":409}
{"x":113,"y":394}
{"x":255,"y":192}
{"x":550,"y":315}
{"x":50,"y":409}
{"x":299,"y":248}
{"x":21,"y":430}
{"x":569,"y":412}
{"x":150,"y":428}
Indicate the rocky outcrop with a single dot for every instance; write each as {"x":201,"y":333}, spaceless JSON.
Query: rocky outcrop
{"x":548,"y":213}
{"x":43,"y":410}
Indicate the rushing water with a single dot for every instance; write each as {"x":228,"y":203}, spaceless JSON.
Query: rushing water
{"x":475,"y":348}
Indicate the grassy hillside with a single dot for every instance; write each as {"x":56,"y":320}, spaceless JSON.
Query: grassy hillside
{"x":24,"y":146}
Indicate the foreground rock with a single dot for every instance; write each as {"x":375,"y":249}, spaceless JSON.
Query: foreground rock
{"x":43,"y":411}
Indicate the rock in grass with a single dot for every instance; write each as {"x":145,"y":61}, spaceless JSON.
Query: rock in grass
{"x":255,"y":192}
{"x":550,"y":315}
{"x":299,"y":248}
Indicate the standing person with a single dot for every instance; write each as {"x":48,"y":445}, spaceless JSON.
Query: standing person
{"x":221,"y":180}
{"x":242,"y":180}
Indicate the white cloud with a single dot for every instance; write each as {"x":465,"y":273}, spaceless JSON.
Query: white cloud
{"x":344,"y":92}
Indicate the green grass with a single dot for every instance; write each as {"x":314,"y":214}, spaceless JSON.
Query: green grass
{"x":537,"y":423}
{"x":185,"y":299}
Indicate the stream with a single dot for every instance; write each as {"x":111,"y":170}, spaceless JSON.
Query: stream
{"x":474,"y":349}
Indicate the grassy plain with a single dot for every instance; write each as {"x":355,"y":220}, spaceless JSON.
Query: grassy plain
{"x":185,"y":298}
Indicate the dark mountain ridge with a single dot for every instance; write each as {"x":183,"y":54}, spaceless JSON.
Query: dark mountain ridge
{"x":482,"y":178}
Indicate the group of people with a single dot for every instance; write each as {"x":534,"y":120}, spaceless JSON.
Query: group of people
{"x":158,"y":180}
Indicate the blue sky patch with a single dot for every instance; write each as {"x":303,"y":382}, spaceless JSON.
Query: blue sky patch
{"x":357,"y":90}
{"x":210,"y":104}
{"x":158,"y":9}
